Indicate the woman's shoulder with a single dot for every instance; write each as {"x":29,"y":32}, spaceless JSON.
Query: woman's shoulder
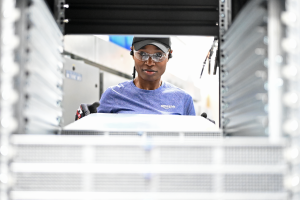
{"x":175,"y":89}
{"x":121,"y":86}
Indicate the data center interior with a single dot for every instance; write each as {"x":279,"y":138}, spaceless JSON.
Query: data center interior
{"x":56,"y":54}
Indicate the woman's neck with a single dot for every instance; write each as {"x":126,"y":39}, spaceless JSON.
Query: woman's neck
{"x":147,"y":85}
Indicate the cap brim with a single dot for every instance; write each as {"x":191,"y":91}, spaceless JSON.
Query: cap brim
{"x":139,"y":45}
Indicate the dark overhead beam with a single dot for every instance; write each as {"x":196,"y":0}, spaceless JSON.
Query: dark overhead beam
{"x":186,"y":17}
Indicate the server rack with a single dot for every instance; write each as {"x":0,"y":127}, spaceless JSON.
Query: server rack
{"x":51,"y":167}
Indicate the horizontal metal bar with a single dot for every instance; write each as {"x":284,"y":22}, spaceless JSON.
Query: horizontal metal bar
{"x":50,"y":120}
{"x":248,"y":62}
{"x":48,"y":78}
{"x":256,"y":107}
{"x":33,"y":90}
{"x":142,"y":14}
{"x":243,"y":16}
{"x":36,"y":127}
{"x":45,"y":13}
{"x":258,"y":76}
{"x":243,"y":31}
{"x":263,"y":97}
{"x":248,"y":66}
{"x":144,"y":168}
{"x":254,"y":35}
{"x":245,"y":126}
{"x":47,"y":73}
{"x":142,"y":22}
{"x":35,"y":79}
{"x":38,"y":108}
{"x":255,"y":88}
{"x":96,"y":140}
{"x":37,"y":36}
{"x":141,"y":29}
{"x":47,"y":57}
{"x":153,"y":2}
{"x":64,"y":195}
{"x":36,"y":40}
{"x":256,"y":47}
{"x":249,"y":125}
{"x":163,"y":7}
{"x":52,"y":68}
{"x":38,"y":21}
{"x":253,"y":123}
{"x":247,"y":131}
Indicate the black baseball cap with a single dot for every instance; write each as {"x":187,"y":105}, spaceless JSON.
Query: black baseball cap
{"x":163,"y":44}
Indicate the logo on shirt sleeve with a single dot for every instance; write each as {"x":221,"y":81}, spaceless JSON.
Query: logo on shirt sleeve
{"x":167,"y":106}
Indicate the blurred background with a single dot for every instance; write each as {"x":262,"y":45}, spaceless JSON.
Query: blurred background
{"x":183,"y":70}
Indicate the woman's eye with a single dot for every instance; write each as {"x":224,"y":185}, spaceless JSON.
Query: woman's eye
{"x":159,"y":55}
{"x":143,"y":53}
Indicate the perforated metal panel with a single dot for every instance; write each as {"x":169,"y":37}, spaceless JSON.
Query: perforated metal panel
{"x":121,"y":183}
{"x":121,"y":155}
{"x":186,"y":155}
{"x":65,"y":132}
{"x":186,"y":183}
{"x":207,"y":135}
{"x":124,"y":134}
{"x":253,"y":155}
{"x":166,"y":134}
{"x":144,"y":182}
{"x":127,"y":165}
{"x":204,"y":134}
{"x":253,"y":183}
{"x":48,"y":182}
{"x":48,"y":154}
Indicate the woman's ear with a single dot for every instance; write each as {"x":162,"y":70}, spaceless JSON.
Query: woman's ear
{"x":131,"y":51}
{"x":170,"y":55}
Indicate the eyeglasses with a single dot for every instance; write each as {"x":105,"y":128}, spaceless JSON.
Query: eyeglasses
{"x":156,"y":57}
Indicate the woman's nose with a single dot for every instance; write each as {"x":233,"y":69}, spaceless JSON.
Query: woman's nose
{"x":150,"y":61}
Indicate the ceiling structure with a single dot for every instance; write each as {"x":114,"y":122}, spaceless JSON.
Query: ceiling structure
{"x":134,"y":17}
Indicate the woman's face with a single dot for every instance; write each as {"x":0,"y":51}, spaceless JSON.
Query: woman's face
{"x":150,"y":70}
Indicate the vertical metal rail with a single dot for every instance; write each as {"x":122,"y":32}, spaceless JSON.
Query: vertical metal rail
{"x":8,"y":94}
{"x":291,"y":94}
{"x":224,"y":23}
{"x":39,"y":81}
{"x":59,"y":14}
{"x":275,"y":62}
{"x":21,"y":29}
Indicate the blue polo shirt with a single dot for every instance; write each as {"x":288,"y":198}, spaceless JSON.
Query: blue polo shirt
{"x":127,"y":98}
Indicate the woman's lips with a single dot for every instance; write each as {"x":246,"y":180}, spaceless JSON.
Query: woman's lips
{"x":149,"y":71}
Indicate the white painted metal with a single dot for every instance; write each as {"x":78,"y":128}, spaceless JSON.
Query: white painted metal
{"x":275,"y":61}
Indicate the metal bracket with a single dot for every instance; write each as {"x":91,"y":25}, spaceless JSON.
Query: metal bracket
{"x":224,"y":23}
{"x":224,"y":15}
{"x":59,"y":14}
